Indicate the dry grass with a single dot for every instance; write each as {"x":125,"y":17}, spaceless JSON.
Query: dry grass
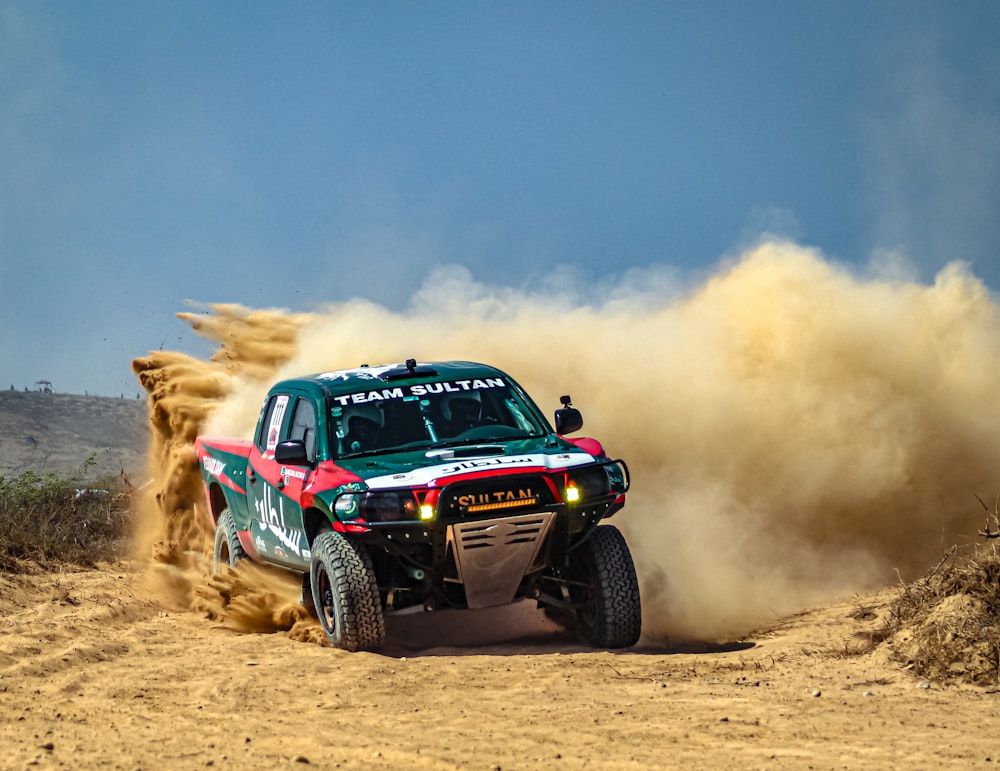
{"x":946,"y":626}
{"x":52,"y":519}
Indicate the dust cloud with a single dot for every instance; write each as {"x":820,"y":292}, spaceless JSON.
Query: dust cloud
{"x":794,"y":430}
{"x":170,"y":529}
{"x":182,"y":393}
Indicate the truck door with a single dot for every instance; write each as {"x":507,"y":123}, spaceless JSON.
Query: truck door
{"x":276,"y":489}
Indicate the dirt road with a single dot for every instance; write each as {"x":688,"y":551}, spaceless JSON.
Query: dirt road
{"x":95,"y":673}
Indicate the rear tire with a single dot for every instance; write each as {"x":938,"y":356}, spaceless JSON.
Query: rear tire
{"x":345,"y":594}
{"x":228,"y":549}
{"x":609,"y":614}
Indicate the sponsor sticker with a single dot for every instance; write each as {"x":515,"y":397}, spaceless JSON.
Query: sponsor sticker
{"x":272,"y":518}
{"x":277,"y":416}
{"x":213,"y":466}
{"x":501,"y":499}
{"x":420,"y":389}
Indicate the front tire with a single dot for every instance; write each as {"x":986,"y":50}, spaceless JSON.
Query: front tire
{"x":307,"y":595}
{"x":345,"y":594}
{"x":228,"y":549}
{"x":609,"y":614}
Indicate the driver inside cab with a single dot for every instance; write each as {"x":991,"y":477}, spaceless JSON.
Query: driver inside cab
{"x":462,"y":412}
{"x":363,"y":423}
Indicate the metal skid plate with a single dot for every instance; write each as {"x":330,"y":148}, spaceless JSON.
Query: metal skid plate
{"x":493,"y":555}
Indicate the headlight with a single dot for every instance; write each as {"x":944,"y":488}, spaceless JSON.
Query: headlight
{"x":390,"y":506}
{"x":594,"y":482}
{"x":616,"y":477}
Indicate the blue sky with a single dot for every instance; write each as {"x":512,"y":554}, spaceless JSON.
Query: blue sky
{"x":298,"y":153}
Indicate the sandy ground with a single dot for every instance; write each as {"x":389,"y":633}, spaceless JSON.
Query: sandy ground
{"x":94,"y":673}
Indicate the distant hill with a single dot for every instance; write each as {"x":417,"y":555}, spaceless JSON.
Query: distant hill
{"x":57,"y":432}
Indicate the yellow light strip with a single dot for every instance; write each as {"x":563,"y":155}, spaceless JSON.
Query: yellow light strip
{"x":502,"y":505}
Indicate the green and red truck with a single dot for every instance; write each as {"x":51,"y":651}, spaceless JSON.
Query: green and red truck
{"x":420,"y":486}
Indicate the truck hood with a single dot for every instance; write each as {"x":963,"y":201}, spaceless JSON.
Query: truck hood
{"x":437,"y":466}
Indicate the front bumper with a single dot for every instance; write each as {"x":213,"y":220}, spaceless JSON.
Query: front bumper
{"x":493,"y":556}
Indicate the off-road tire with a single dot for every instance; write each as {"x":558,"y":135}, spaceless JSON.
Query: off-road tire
{"x":228,"y":549}
{"x":609,"y":614}
{"x":345,"y":594}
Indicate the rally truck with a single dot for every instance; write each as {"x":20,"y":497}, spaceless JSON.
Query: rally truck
{"x":420,"y":486}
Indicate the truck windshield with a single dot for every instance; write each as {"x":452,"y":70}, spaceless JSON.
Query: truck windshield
{"x":430,"y":414}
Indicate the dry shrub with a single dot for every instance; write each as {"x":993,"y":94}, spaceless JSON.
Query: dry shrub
{"x":51,"y":519}
{"x":946,"y":625}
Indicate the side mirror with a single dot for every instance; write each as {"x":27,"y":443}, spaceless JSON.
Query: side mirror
{"x":292,"y":452}
{"x":568,"y":418}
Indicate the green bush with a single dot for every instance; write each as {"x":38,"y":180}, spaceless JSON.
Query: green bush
{"x":49,"y":519}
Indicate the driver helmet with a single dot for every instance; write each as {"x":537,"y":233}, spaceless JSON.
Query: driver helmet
{"x":368,"y":413}
{"x":466,"y":405}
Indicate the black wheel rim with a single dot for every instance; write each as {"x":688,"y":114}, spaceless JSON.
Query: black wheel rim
{"x":326,"y":599}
